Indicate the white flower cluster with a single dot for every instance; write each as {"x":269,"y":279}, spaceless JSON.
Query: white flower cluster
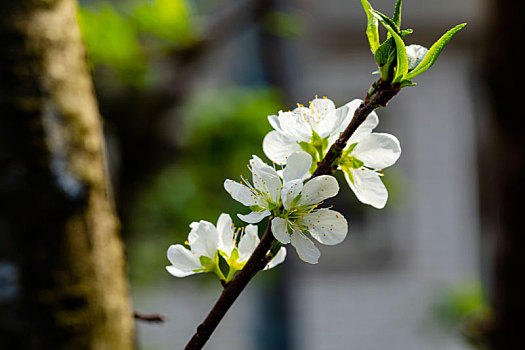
{"x":301,"y":138}
{"x":316,"y":128}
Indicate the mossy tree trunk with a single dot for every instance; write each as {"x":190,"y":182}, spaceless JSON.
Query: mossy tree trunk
{"x":62,"y":269}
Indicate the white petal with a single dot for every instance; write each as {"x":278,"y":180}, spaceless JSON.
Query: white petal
{"x":240,"y":193}
{"x":294,"y":126}
{"x":203,"y":239}
{"x":327,"y":226}
{"x":248,"y":242}
{"x":254,"y":217}
{"x":365,"y":128}
{"x":274,"y":122}
{"x":297,"y":166}
{"x":291,"y":189}
{"x":277,"y":259}
{"x":305,"y":248}
{"x":183,"y":261}
{"x":322,"y":120}
{"x":345,"y":115}
{"x":318,"y":189}
{"x":278,"y":146}
{"x":265,"y":178}
{"x":368,"y":187}
{"x":225,"y":229}
{"x":279,"y":230}
{"x":378,"y":151}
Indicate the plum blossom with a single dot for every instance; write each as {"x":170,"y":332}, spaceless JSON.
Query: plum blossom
{"x":311,"y":129}
{"x":364,"y":157}
{"x":294,"y":205}
{"x":316,"y":128}
{"x":206,"y":242}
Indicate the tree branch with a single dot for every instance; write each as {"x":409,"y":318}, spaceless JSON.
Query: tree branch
{"x":232,"y":291}
{"x":383,"y":93}
{"x":153,"y":318}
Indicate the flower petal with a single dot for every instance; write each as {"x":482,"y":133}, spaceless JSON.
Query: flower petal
{"x":277,"y":259}
{"x":322,"y":120}
{"x":365,"y":128}
{"x":297,"y":166}
{"x":318,"y":189}
{"x":203,"y":239}
{"x":254,"y":217}
{"x":294,"y":126}
{"x":274,"y":122}
{"x":291,"y":189}
{"x":327,"y":226}
{"x":183,"y":261}
{"x":368,"y":187}
{"x":345,"y":114}
{"x":305,"y":248}
{"x":248,"y":242}
{"x":279,"y":230}
{"x":226,"y":234}
{"x":378,"y":150}
{"x":240,"y":192}
{"x":265,"y":178}
{"x":278,"y":146}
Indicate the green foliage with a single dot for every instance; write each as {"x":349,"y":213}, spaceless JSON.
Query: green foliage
{"x":463,"y":308}
{"x":218,"y":134}
{"x":372,"y":28}
{"x":128,"y":39}
{"x":165,"y":19}
{"x":391,"y":55}
{"x":434,"y":52}
{"x":111,"y":40}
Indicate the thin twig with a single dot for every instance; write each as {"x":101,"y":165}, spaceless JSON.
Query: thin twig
{"x":382,"y":95}
{"x":153,"y":318}
{"x":256,"y":263}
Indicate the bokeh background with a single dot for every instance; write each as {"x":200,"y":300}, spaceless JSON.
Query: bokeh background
{"x":185,"y":88}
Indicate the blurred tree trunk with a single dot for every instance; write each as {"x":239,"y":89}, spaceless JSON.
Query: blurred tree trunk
{"x":62,"y":269}
{"x":502,"y":169}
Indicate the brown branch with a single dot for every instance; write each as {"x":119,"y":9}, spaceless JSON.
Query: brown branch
{"x":256,"y":263}
{"x":153,"y":318}
{"x":383,"y":93}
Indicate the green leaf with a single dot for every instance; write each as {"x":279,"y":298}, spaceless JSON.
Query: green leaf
{"x":386,"y":21}
{"x":401,"y":52}
{"x":397,"y":14}
{"x":372,"y":29}
{"x":434,"y":52}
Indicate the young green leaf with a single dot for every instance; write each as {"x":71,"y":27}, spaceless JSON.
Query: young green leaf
{"x":372,"y":30}
{"x":385,"y":20}
{"x":397,"y":14}
{"x":401,"y":52}
{"x":434,"y":52}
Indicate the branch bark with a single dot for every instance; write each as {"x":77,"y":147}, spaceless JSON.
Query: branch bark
{"x":60,"y":250}
{"x":384,"y":93}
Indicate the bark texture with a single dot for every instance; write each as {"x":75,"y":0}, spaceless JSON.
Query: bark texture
{"x":62,"y":269}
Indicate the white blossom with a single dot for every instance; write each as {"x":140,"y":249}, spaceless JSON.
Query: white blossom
{"x":297,"y":218}
{"x":206,"y":242}
{"x":316,"y":128}
{"x":363,"y":159}
{"x":311,"y":129}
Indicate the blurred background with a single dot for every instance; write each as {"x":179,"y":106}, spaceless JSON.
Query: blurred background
{"x":185,"y":88}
